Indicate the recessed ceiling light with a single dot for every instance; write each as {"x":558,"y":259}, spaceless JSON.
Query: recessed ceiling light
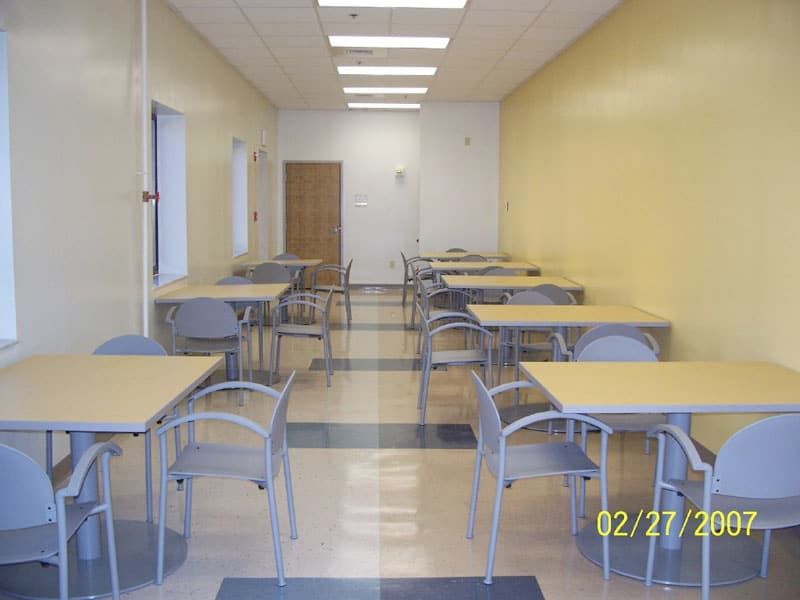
{"x":388,"y":41}
{"x":385,"y":90}
{"x":387,"y":70}
{"x":384,"y":105}
{"x":396,"y":3}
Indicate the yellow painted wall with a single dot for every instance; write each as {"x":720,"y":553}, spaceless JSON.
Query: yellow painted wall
{"x":657,"y":161}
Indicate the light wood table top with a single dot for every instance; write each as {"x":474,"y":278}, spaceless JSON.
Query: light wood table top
{"x":671,"y":387}
{"x":573,"y":315}
{"x":86,"y":392}
{"x":481,"y":265}
{"x":457,"y":255}
{"x":504,"y":282}
{"x":255,"y":292}
{"x":297,"y":262}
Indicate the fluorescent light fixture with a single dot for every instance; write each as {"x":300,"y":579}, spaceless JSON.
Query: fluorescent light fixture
{"x":388,"y":41}
{"x":385,"y":105}
{"x":396,"y":3}
{"x":385,"y":90}
{"x":387,"y":70}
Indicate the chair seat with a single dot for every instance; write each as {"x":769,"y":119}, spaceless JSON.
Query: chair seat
{"x":223,"y":460}
{"x":772,"y":513}
{"x":542,"y":460}
{"x":200,"y":345}
{"x":457,"y":357}
{"x":299,"y":329}
{"x":37,"y":543}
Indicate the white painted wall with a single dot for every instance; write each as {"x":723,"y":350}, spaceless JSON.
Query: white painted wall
{"x":370,"y":146}
{"x":458,"y":182}
{"x":73,"y":72}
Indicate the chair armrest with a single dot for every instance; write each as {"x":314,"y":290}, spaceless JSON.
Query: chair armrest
{"x":513,"y":385}
{"x":558,"y":341}
{"x":462,"y":325}
{"x":232,"y":385}
{"x":653,"y":343}
{"x":171,"y":314}
{"x":245,"y":320}
{"x":552,"y":415}
{"x":81,"y":470}
{"x":467,"y":318}
{"x":685,"y":443}
{"x":213,"y":416}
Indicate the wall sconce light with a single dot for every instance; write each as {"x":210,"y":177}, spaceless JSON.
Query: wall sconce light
{"x":399,"y":171}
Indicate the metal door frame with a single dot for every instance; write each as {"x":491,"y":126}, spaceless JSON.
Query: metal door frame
{"x":341,"y":199}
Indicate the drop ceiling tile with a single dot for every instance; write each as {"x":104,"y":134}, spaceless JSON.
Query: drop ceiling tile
{"x":245,"y":43}
{"x":225,"y":29}
{"x":424,"y":29}
{"x":309,"y":63}
{"x":552,"y":33}
{"x":521,"y":5}
{"x":499,"y":17}
{"x":591,"y":6}
{"x":432,"y":16}
{"x":209,"y":14}
{"x":417,"y":57}
{"x":203,"y":3}
{"x":294,"y":28}
{"x":496,"y":31}
{"x":527,"y":63}
{"x":355,"y":28}
{"x":265,"y":59}
{"x":567,"y":19}
{"x":328,"y":14}
{"x":280,"y":15}
{"x":274,"y":3}
{"x":540,"y":46}
{"x":294,"y":41}
{"x":467,"y":44}
{"x":299,"y":52}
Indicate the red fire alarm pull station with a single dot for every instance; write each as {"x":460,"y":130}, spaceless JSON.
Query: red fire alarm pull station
{"x":255,"y":157}
{"x":255,"y":216}
{"x":147,"y":196}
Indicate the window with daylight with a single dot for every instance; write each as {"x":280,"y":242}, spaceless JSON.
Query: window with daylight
{"x":8,"y":308}
{"x":239,"y":197}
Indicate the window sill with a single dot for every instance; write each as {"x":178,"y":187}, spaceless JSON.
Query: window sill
{"x":163,"y":279}
{"x":7,"y":343}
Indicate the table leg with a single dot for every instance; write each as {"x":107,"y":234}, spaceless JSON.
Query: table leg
{"x":88,"y":536}
{"x":261,"y":312}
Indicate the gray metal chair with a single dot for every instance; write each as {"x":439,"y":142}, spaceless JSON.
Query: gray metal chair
{"x":342,"y":273}
{"x":473,"y":258}
{"x":36,"y":523}
{"x":295,"y":272}
{"x":270,"y":272}
{"x":259,"y":464}
{"x":494,"y":296}
{"x":455,"y":250}
{"x":408,"y":272}
{"x":756,"y":471}
{"x":453,"y":300}
{"x":475,"y":350}
{"x":210,"y":326}
{"x":282,"y":326}
{"x":600,"y":331}
{"x":508,"y":463}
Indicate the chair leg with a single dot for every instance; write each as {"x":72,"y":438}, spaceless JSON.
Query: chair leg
{"x":276,"y":535}
{"x":187,"y":510}
{"x":176,"y":414}
{"x":287,"y":476}
{"x":162,"y":524}
{"x":473,"y":502}
{"x":148,"y":476}
{"x":651,"y":547}
{"x":272,"y":345}
{"x":347,"y":306}
{"x":424,"y":384}
{"x":112,"y":551}
{"x":498,"y":503}
{"x":573,"y":519}
{"x":405,"y":291}
{"x":63,"y":563}
{"x":48,"y":453}
{"x":765,"y":552}
{"x":604,"y":508}
{"x":326,"y":350}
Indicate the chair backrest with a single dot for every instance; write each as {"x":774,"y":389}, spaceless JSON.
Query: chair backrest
{"x":761,"y":460}
{"x":616,"y":348}
{"x":26,"y":499}
{"x":346,"y":277}
{"x":286,"y":256}
{"x":455,"y":250}
{"x":610,"y":329}
{"x":131,"y":345}
{"x":277,"y":426}
{"x":530,"y":297}
{"x":488,"y":416}
{"x":556,"y":294}
{"x":206,"y":318}
{"x":271,"y":273}
{"x":234,"y":280}
{"x":474,"y":258}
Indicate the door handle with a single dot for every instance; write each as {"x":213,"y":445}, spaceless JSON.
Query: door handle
{"x":336,"y":229}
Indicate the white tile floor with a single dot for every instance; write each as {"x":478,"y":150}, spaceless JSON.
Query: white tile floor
{"x":401,"y":513}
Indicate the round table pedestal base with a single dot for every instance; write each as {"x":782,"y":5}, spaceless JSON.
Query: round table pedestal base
{"x":136,"y":562}
{"x":733,"y":559}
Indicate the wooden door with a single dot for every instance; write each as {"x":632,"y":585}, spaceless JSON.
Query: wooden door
{"x":314,"y":211}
